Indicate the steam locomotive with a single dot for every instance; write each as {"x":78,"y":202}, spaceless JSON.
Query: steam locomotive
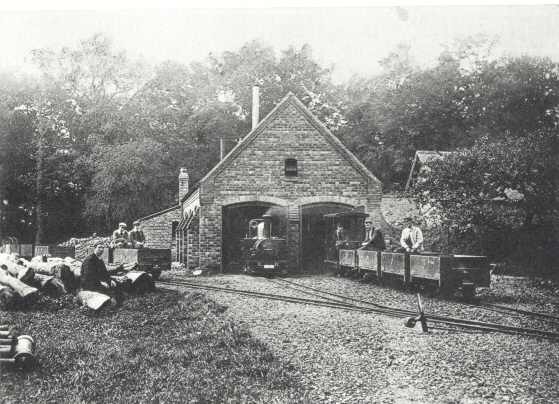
{"x":262,"y":253}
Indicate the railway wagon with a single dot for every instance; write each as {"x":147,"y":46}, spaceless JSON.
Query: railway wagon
{"x":151,"y":260}
{"x":448,"y":272}
{"x":53,"y":251}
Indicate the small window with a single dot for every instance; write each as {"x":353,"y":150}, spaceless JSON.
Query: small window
{"x":291,"y":167}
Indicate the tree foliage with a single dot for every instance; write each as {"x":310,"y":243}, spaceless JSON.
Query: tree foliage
{"x":100,"y":136}
{"x":498,"y":198}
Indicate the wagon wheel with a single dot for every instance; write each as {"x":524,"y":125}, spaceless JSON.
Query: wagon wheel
{"x":468,"y":290}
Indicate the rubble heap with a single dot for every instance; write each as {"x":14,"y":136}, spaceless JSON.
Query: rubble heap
{"x":84,"y":246}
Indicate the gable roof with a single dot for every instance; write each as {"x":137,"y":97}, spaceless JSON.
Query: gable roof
{"x":291,"y":99}
{"x":423,"y":157}
{"x":159,"y":213}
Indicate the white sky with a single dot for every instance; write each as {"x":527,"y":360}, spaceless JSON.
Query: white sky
{"x":353,"y":39}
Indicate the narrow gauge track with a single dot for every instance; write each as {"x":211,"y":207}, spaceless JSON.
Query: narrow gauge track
{"x":511,"y":311}
{"x":290,"y":299}
{"x":543,"y":316}
{"x":441,"y":319}
{"x":337,"y":301}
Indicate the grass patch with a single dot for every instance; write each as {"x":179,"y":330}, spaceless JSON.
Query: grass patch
{"x":161,"y":347}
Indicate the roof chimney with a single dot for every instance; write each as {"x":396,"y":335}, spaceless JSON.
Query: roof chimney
{"x":183,"y":183}
{"x":255,"y":105}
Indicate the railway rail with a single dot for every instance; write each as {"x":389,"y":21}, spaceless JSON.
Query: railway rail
{"x":486,"y":306}
{"x":439,"y":318}
{"x":337,"y":301}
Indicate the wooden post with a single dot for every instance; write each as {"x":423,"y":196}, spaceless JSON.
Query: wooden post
{"x":407,"y":277}
{"x":421,"y":317}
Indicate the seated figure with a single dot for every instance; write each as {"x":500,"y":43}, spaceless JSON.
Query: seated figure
{"x":136,"y":236}
{"x":120,"y":236}
{"x":374,"y":239}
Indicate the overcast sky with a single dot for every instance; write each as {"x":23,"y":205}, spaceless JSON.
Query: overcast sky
{"x":351,"y":39}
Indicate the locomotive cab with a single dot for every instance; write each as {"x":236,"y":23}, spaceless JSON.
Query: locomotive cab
{"x":263,"y":254}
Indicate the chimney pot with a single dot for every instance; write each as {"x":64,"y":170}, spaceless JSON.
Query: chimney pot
{"x":255,"y":106}
{"x":183,"y":183}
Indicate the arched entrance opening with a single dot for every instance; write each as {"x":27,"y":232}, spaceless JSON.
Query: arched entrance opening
{"x":235,"y":227}
{"x":314,"y":233}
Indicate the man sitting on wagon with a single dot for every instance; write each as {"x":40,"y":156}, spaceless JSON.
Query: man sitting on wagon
{"x":374,"y":239}
{"x":120,"y":236}
{"x":411,"y":239}
{"x":136,"y":236}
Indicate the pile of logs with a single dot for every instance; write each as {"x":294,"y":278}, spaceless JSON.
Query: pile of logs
{"x":22,"y":280}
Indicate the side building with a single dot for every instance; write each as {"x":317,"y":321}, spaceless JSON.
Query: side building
{"x":289,"y":166}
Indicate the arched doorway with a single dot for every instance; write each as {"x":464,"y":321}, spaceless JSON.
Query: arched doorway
{"x":314,"y":233}
{"x":235,"y":227}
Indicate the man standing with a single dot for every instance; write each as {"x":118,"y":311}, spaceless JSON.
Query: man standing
{"x":340,"y":237}
{"x":411,"y":239}
{"x":94,"y":275}
{"x":136,"y":236}
{"x":374,"y":239}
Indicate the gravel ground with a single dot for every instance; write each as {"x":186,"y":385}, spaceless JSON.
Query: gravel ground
{"x":355,"y":357}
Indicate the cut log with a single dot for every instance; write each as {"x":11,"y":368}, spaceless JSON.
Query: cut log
{"x":77,"y":273}
{"x":23,"y":290}
{"x":66,"y":276}
{"x":93,"y":300}
{"x":49,"y":285}
{"x":19,"y":271}
{"x":8,"y":298}
{"x":123,"y":283}
{"x":141,"y":281}
{"x":25,"y":274}
{"x":44,"y":268}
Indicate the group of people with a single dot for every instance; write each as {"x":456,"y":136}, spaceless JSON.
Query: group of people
{"x":411,"y":238}
{"x":94,"y":274}
{"x":134,"y":238}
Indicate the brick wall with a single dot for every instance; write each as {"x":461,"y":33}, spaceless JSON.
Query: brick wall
{"x":257,"y":173}
{"x":158,"y":230}
{"x":192,"y":243}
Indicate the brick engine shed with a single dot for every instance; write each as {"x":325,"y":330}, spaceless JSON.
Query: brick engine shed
{"x":290,"y":166}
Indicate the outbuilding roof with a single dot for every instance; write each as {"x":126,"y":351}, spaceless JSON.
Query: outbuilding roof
{"x":424,"y":157}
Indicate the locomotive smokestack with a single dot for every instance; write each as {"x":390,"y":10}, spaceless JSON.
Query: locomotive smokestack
{"x":267,"y":225}
{"x":255,"y":106}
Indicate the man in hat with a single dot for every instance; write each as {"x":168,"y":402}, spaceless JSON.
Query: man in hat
{"x":340,"y":237}
{"x":120,"y":236}
{"x":136,"y":236}
{"x":411,"y":239}
{"x":374,"y":239}
{"x":94,"y":275}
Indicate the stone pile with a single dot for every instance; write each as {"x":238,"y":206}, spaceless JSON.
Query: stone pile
{"x":84,"y":246}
